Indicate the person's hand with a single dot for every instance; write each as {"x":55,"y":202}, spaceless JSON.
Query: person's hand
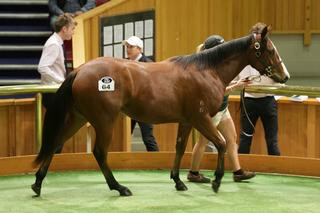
{"x":69,"y":14}
{"x":78,"y":13}
{"x":242,"y":83}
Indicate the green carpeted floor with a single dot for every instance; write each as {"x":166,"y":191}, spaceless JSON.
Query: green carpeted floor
{"x":153,"y":191}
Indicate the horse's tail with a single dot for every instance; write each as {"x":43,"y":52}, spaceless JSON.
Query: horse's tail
{"x":54,"y":119}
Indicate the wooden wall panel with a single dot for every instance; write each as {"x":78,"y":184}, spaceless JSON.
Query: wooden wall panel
{"x":121,"y":140}
{"x":88,"y":36}
{"x":95,"y":36}
{"x":317,"y":136}
{"x":289,"y":15}
{"x":182,"y":24}
{"x":220,"y":15}
{"x":315,"y":19}
{"x":25,"y":129}
{"x":292,"y":129}
{"x":267,"y":13}
{"x":132,"y":161}
{"x":311,"y":131}
{"x":4,"y":133}
{"x":296,"y":11}
{"x":17,"y":119}
{"x":166,"y":136}
{"x":282,"y":15}
{"x":78,"y":142}
{"x":121,"y":137}
{"x":17,"y":135}
{"x":299,"y":128}
{"x":12,"y":130}
{"x":130,"y":7}
{"x":178,"y":30}
{"x":245,"y":14}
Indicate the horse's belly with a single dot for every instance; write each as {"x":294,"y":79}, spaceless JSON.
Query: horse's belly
{"x":152,"y":114}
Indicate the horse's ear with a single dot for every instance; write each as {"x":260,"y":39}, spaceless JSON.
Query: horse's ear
{"x":264,"y":32}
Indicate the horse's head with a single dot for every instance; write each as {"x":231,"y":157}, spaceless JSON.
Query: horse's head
{"x":264,"y":56}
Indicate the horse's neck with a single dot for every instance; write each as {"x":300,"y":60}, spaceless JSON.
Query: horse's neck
{"x":231,"y":67}
{"x":229,"y":58}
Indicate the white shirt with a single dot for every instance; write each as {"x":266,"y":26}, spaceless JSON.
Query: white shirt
{"x":51,"y":65}
{"x":250,"y":71}
{"x":138,"y":57}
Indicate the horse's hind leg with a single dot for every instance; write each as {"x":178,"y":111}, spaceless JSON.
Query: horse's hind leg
{"x":182,"y":139}
{"x":40,"y":175}
{"x":207,"y":129}
{"x":103,"y":140}
{"x":71,"y":126}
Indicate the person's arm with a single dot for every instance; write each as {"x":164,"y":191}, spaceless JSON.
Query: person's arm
{"x":53,"y":8}
{"x":89,"y":5}
{"x":48,"y":57}
{"x":240,"y":84}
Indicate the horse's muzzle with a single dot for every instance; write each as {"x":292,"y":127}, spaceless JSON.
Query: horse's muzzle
{"x":285,"y":79}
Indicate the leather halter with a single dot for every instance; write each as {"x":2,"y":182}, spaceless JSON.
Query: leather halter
{"x":268,"y":69}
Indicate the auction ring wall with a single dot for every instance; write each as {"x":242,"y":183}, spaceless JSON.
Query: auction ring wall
{"x":163,"y":160}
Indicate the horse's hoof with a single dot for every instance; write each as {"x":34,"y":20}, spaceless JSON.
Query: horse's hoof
{"x":215,"y":186}
{"x":181,"y":187}
{"x":36,"y":189}
{"x":124,"y":191}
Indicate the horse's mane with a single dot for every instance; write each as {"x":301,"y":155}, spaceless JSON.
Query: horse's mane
{"x":208,"y":59}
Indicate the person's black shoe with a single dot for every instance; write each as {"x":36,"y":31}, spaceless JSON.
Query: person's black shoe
{"x":198,"y":178}
{"x":244,"y":176}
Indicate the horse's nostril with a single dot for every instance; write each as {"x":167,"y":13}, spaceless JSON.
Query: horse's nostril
{"x":285,"y":79}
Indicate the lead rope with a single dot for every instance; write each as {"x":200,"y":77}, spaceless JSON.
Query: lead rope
{"x":245,"y":112}
{"x":253,"y":77}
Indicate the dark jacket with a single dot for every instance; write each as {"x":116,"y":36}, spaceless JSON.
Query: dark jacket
{"x":145,"y":59}
{"x":57,"y":7}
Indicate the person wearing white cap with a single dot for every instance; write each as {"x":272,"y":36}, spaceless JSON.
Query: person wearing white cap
{"x":134,"y":48}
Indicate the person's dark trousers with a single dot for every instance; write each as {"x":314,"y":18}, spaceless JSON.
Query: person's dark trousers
{"x":47,"y":100}
{"x":147,"y":135}
{"x":266,"y":109}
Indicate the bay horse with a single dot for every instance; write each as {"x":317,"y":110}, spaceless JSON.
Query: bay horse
{"x":185,"y":89}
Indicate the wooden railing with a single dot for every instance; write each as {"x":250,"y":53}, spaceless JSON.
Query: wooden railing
{"x":305,"y":113}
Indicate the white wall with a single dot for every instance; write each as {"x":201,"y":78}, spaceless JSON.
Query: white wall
{"x":303,"y":62}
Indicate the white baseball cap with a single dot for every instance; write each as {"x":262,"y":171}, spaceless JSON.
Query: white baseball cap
{"x":134,"y":41}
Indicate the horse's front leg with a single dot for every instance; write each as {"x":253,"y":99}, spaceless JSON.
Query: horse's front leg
{"x":182,"y":139}
{"x":207,"y":129}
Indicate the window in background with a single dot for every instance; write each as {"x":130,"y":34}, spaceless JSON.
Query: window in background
{"x":115,"y":29}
